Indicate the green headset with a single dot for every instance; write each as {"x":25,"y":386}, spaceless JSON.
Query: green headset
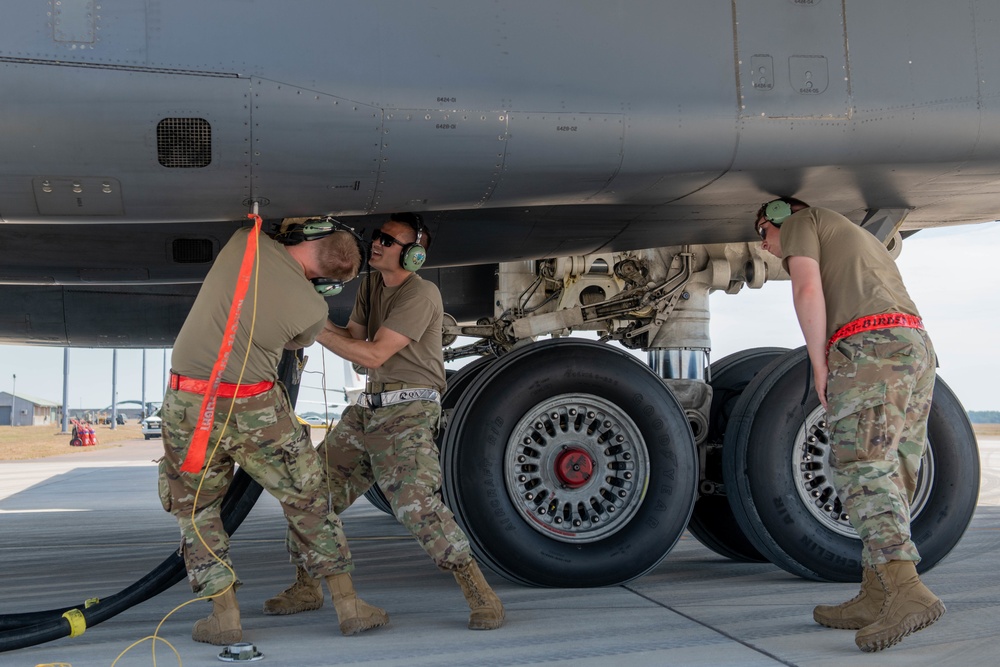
{"x":318,"y":228}
{"x":412,"y":255}
{"x":777,"y":211}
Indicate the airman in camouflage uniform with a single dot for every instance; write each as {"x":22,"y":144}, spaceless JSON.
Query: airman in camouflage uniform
{"x":395,"y":332}
{"x":252,"y":422}
{"x":873,"y":367}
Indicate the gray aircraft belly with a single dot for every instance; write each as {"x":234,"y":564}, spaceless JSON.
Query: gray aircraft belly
{"x":521,"y":131}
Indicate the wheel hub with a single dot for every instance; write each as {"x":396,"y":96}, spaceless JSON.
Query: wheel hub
{"x":576,"y":468}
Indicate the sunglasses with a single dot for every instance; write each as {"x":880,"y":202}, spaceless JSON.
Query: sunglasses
{"x":761,"y":232}
{"x":385,"y":239}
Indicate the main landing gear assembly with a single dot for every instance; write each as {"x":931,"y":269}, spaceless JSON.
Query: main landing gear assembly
{"x":571,"y":463}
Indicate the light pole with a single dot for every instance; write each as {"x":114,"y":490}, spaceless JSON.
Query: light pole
{"x":13,"y":402}
{"x":142,"y":415}
{"x":65,"y":410}
{"x":114,"y":389}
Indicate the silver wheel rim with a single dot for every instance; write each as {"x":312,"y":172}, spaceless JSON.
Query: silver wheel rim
{"x":576,"y":468}
{"x":814,"y":477}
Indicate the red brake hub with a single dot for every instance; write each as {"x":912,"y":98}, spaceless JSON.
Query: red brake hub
{"x":574,"y":467}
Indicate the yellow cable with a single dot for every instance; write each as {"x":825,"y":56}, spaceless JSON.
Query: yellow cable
{"x":154,"y":640}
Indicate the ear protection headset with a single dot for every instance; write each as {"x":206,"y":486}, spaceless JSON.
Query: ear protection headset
{"x":318,"y":228}
{"x":413,"y":255}
{"x":776,"y":211}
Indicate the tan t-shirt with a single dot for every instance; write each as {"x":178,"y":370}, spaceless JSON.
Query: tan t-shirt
{"x":288,"y":309}
{"x":858,"y":274}
{"x":413,"y":309}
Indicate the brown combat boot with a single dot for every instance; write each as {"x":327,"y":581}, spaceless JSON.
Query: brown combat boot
{"x":305,"y":594}
{"x":222,"y":626}
{"x":355,"y":615}
{"x":908,"y":606}
{"x":487,"y":610}
{"x":857,"y":612}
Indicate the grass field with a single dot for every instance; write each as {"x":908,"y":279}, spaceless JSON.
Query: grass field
{"x":988,"y":430}
{"x":20,"y":443}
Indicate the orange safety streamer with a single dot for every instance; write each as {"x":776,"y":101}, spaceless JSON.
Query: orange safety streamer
{"x":195,"y":458}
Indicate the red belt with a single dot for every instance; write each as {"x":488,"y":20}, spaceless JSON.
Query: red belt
{"x":226,"y":389}
{"x":873,"y":322}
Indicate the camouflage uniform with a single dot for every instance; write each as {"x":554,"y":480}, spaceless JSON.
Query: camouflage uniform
{"x":394,"y":445}
{"x":879,"y":393}
{"x":263,"y":437}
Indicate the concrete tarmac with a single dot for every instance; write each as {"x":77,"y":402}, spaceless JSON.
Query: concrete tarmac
{"x":89,"y":523}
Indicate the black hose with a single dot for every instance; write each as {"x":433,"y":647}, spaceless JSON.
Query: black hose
{"x":31,"y":628}
{"x":37,"y":627}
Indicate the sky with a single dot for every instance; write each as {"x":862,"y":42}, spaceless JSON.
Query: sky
{"x":950,"y":273}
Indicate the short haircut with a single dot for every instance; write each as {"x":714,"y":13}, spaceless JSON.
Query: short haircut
{"x":416,"y":223}
{"x":338,"y":256}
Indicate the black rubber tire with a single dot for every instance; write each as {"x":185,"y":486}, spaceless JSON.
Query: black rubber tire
{"x":712,"y":522}
{"x":758,"y":472}
{"x":461,"y":379}
{"x":568,"y":372}
{"x":377,"y":498}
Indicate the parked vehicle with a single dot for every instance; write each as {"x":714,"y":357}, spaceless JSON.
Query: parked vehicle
{"x":151,"y":427}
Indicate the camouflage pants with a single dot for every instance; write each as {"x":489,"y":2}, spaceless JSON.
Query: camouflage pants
{"x":395,"y":446}
{"x":263,"y":437}
{"x":879,"y":392}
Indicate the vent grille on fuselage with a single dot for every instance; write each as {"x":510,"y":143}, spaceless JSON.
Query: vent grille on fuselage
{"x":184,"y":143}
{"x":192,"y":251}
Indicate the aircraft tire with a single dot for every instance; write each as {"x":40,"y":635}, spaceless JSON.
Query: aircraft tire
{"x":712,"y":522}
{"x":376,"y":497}
{"x":504,"y":450}
{"x":775,"y":466}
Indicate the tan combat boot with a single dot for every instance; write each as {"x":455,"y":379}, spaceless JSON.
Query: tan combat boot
{"x":305,"y":594}
{"x":355,"y":615}
{"x":909,"y":606}
{"x":857,"y":612}
{"x":487,"y":610}
{"x":222,"y":626}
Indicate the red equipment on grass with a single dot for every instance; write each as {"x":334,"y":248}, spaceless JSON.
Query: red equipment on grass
{"x":83,"y":434}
